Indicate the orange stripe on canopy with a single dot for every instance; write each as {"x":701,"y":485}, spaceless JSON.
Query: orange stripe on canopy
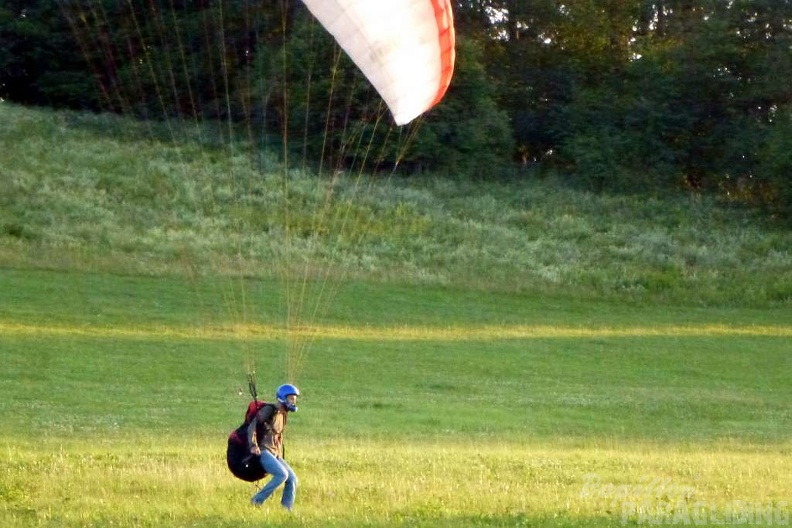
{"x":446,"y":37}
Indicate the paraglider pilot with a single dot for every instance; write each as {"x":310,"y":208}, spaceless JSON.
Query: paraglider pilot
{"x":255,"y":449}
{"x":265,"y":440}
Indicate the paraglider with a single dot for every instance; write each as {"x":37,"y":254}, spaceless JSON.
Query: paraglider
{"x":144,"y":58}
{"x":255,"y":448}
{"x":405,"y":48}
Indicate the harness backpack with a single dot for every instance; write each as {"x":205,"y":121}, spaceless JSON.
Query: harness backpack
{"x":243,"y":464}
{"x":253,"y":408}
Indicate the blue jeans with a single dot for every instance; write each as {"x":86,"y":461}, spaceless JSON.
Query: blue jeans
{"x":281,"y":472}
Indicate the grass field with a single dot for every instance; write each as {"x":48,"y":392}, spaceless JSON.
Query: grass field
{"x":506,"y":411}
{"x":516,"y":355}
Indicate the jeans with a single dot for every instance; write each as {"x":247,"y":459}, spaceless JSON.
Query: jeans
{"x":281,"y":472}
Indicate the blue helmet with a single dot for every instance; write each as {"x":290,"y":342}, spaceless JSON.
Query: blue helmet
{"x":284,"y":391}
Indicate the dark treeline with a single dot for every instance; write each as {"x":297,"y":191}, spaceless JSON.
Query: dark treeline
{"x":616,"y":95}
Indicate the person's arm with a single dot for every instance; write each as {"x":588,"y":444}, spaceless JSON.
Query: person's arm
{"x":262,"y":416}
{"x":252,"y":438}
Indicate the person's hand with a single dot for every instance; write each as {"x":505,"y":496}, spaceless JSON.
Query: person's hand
{"x":255,"y":450}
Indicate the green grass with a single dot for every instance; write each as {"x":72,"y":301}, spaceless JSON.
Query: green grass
{"x":492,"y":355}
{"x":102,"y":427}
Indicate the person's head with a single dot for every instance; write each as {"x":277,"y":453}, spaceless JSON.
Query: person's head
{"x":287,"y":396}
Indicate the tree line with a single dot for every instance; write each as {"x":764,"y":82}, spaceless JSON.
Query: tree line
{"x":615,"y":95}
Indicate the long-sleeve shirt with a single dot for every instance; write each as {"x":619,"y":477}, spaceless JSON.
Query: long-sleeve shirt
{"x":266,"y":430}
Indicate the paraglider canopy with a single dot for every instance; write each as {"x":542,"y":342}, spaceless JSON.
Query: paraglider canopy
{"x":405,"y":48}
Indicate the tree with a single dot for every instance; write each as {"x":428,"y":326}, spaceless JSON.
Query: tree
{"x":466,"y":134}
{"x":625,"y":95}
{"x":691,"y":106}
{"x":40,"y":62}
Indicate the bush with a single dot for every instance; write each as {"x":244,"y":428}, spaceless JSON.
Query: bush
{"x":466,"y":134}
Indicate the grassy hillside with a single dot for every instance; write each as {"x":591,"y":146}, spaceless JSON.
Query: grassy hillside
{"x":94,"y":192}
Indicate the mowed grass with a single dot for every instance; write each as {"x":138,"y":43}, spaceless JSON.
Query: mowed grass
{"x":507,"y":411}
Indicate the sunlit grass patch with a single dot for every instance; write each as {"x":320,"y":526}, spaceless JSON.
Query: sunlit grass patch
{"x":396,"y":333}
{"x":150,"y":481}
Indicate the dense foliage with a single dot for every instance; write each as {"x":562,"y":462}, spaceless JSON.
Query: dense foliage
{"x":624,"y":95}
